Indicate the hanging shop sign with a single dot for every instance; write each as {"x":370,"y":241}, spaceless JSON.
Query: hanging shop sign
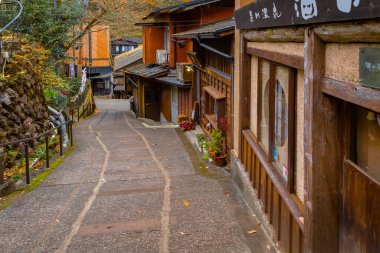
{"x":369,"y":69}
{"x":276,"y":13}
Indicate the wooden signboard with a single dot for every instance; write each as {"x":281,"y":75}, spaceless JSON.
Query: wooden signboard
{"x":275,"y":13}
{"x":369,"y":68}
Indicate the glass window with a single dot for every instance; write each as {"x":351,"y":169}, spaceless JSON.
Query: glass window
{"x":167,"y":39}
{"x":281,"y":117}
{"x":367,"y":135}
{"x":281,"y":148}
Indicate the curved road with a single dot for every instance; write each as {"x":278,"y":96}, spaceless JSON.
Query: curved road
{"x":127,"y":188}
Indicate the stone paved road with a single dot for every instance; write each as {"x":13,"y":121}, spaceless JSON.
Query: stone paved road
{"x":124,"y":190}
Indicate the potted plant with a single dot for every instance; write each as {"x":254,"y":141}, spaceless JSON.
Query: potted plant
{"x":216,"y":148}
{"x":186,"y":125}
{"x":202,"y":143}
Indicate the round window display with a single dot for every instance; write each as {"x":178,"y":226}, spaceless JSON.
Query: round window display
{"x":281,"y":115}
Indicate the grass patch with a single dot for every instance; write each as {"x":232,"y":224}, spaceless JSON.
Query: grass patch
{"x":35,"y":182}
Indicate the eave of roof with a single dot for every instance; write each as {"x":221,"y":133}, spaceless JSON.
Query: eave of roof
{"x":151,"y":23}
{"x":128,"y":58}
{"x":173,"y":81}
{"x":147,"y":70}
{"x":179,"y":7}
{"x":105,"y":76}
{"x":130,"y":39}
{"x":210,"y":31}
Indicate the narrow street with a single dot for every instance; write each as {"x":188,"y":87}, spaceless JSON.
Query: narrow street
{"x":127,"y":188}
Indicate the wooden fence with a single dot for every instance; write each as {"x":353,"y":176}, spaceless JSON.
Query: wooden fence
{"x":278,"y":204}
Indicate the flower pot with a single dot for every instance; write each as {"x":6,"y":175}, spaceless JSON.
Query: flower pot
{"x":220,"y":161}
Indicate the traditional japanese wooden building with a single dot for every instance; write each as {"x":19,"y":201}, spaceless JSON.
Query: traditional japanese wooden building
{"x":92,"y":53}
{"x":213,"y":62}
{"x":123,"y":87}
{"x":307,"y":121}
{"x":172,"y":96}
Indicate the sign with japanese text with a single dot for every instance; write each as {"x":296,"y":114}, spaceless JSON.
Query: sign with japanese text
{"x":369,"y":69}
{"x":275,"y":13}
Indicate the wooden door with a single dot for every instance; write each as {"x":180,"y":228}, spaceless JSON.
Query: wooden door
{"x":152,"y":102}
{"x":166,"y":94}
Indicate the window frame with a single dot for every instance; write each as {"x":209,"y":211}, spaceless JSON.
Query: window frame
{"x":291,"y":136}
{"x":350,"y":141}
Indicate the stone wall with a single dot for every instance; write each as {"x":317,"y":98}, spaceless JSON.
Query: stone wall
{"x":23,"y":114}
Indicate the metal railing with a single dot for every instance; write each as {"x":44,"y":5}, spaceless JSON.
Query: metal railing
{"x":86,"y":111}
{"x":18,"y":3}
{"x":26,"y":143}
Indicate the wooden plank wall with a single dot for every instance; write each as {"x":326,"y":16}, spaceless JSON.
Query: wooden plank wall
{"x":153,"y":40}
{"x":361,"y":207}
{"x":278,"y":205}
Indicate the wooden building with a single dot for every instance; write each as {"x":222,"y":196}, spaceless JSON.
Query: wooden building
{"x":122,"y":45}
{"x":307,"y":121}
{"x":161,"y":48}
{"x":123,"y":87}
{"x":213,"y":63}
{"x":93,"y":53}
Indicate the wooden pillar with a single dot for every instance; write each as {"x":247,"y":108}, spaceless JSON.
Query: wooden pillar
{"x":244,"y":81}
{"x":323,"y":154}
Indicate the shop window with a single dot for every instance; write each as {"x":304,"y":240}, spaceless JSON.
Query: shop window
{"x":366,"y":148}
{"x":276,"y":117}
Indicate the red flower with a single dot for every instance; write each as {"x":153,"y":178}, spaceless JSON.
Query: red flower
{"x":223,"y":123}
{"x":186,"y":125}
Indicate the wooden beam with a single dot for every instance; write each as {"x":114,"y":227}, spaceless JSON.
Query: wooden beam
{"x":323,"y":154}
{"x":244,"y":91}
{"x":364,"y":32}
{"x":294,"y":34}
{"x":286,"y":59}
{"x":359,"y":95}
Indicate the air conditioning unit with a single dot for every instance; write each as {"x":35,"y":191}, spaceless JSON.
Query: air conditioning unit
{"x":184,"y":72}
{"x":161,"y":57}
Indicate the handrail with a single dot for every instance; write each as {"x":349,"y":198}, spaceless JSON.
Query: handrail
{"x":25,"y":143}
{"x":13,"y":20}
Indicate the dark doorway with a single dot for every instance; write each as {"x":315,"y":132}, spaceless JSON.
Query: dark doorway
{"x":152,"y":102}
